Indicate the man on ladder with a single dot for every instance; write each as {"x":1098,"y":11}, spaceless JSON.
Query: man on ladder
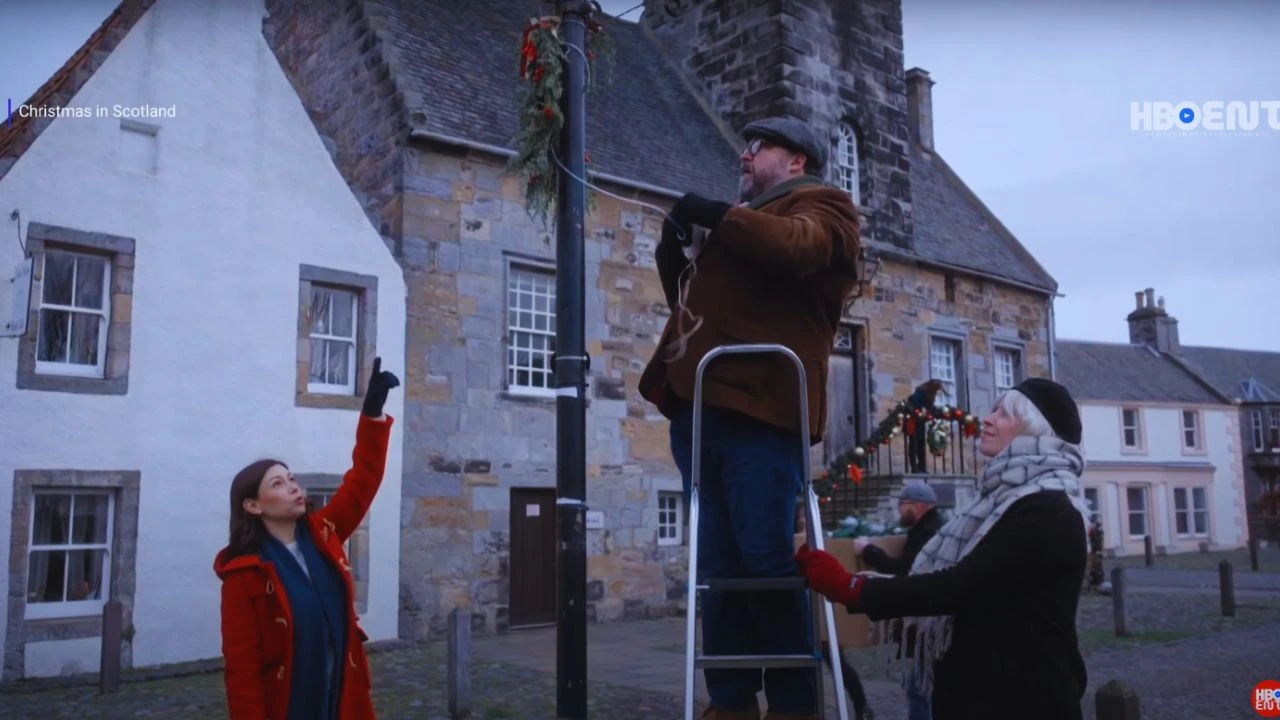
{"x":777,"y":270}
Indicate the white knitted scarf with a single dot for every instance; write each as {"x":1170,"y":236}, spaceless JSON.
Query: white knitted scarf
{"x":1029,"y":465}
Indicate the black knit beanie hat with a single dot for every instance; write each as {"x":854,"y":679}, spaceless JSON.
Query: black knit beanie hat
{"x":1056,"y":404}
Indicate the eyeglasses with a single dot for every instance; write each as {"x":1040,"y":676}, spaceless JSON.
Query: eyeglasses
{"x":755,"y":146}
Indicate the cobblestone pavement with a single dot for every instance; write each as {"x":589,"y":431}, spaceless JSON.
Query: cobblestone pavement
{"x":636,"y":669}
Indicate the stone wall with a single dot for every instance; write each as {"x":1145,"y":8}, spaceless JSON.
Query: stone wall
{"x":911,"y":302}
{"x":473,"y":440}
{"x":334,"y":60}
{"x":826,"y":62}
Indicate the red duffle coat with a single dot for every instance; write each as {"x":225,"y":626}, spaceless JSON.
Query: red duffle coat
{"x":257,"y":624}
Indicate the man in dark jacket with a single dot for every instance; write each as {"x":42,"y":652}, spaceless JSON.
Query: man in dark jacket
{"x":917,"y":512}
{"x":776,"y":268}
{"x":994,"y":594}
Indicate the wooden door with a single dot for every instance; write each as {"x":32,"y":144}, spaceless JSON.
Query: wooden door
{"x":844,"y":396}
{"x":533,"y":556}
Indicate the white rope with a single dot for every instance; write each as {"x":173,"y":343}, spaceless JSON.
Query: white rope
{"x":681,"y":343}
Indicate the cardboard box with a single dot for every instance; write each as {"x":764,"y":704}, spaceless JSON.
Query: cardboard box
{"x":853,"y":630}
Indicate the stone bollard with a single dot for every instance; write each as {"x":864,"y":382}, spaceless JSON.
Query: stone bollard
{"x":1117,"y":600}
{"x":109,"y":664}
{"x":1116,"y":701}
{"x":1146,"y":550}
{"x":459,"y":664}
{"x":1227,"y":587}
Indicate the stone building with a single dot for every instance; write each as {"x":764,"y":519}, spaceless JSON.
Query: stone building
{"x":418,"y":100}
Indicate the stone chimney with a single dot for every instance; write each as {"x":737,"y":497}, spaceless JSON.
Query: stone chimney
{"x":1151,"y":325}
{"x":920,"y":107}
{"x":825,"y":62}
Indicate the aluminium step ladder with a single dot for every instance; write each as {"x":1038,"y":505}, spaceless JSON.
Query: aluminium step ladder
{"x":813,"y":526}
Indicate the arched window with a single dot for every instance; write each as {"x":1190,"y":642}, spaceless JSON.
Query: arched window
{"x":847,"y":162}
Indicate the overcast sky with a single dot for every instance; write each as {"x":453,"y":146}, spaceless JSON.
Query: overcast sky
{"x":1031,"y":107}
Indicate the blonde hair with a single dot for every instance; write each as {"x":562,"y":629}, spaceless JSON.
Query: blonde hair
{"x":1021,"y":408}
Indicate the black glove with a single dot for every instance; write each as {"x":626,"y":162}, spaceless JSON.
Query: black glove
{"x":693,"y":208}
{"x":673,"y":232}
{"x":380,"y":383}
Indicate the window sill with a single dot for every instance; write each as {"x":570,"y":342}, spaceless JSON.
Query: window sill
{"x":63,"y":628}
{"x":526,"y":396}
{"x":77,"y":385}
{"x":328,"y":402}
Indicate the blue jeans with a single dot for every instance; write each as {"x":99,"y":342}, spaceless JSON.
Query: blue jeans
{"x":919,"y":706}
{"x":750,"y":477}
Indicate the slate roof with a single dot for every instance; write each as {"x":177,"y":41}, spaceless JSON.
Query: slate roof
{"x":461,"y":56}
{"x":1123,"y":372}
{"x":21,"y":133}
{"x":953,"y":226}
{"x":1250,"y":375}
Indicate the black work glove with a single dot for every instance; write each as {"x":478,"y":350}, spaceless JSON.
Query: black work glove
{"x":380,"y":383}
{"x":693,"y":208}
{"x":673,"y":232}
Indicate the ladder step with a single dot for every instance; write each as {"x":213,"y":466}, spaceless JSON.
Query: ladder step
{"x":757,"y":661}
{"x":745,"y":584}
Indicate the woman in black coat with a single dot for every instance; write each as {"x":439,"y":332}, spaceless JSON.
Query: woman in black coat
{"x":992,"y":597}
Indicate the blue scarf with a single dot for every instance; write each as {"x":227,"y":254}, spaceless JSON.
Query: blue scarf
{"x":319,"y":606}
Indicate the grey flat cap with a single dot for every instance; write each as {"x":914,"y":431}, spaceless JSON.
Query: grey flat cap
{"x":792,"y":134}
{"x":919,"y":492}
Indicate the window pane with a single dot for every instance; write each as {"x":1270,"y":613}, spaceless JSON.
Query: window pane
{"x":53,"y":335}
{"x":1131,"y":437}
{"x":90,"y":272}
{"x":1137,"y":499}
{"x":46,"y":573}
{"x":1181,"y":519}
{"x":84,"y":574}
{"x":343,"y":322}
{"x":1201,"y":522}
{"x":320,"y":309}
{"x":339,"y":368}
{"x":1179,"y":499}
{"x":1136,"y":524}
{"x":51,"y":523}
{"x":59,"y":275}
{"x":89,"y":520}
{"x":316,"y":372}
{"x":84,"y":338}
{"x":1188,"y":419}
{"x":1189,"y":438}
{"x":1199,"y":499}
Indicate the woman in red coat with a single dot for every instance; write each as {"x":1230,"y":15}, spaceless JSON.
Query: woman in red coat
{"x":292,"y":647}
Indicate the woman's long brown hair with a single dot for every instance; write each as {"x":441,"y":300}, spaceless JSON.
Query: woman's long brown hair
{"x":247,"y":531}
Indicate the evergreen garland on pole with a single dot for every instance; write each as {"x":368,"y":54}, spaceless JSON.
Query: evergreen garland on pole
{"x":542,"y":67}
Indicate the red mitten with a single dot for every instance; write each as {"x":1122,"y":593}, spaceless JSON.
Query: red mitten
{"x":828,"y":577}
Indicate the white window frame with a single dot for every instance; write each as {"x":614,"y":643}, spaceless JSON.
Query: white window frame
{"x":1274,"y":430}
{"x":671,"y":506}
{"x":47,"y":367}
{"x":1094,"y":503}
{"x":1194,"y":430}
{"x":349,"y":387}
{"x":1259,"y":434}
{"x":944,"y":365}
{"x":1144,"y":512}
{"x":848,"y":172}
{"x":1136,"y":427}
{"x":515,"y":331}
{"x":72,"y":608}
{"x":1011,"y":357}
{"x":1186,"y":508}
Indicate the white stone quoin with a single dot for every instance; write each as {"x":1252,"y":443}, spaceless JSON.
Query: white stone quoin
{"x":224,"y":202}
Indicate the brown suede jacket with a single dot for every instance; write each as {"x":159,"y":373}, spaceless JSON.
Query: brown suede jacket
{"x":776,"y":271}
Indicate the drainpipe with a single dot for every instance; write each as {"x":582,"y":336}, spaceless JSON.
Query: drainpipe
{"x":1053,"y":347}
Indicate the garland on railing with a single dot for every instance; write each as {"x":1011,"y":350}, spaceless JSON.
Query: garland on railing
{"x":903,"y":418}
{"x":542,"y":66}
